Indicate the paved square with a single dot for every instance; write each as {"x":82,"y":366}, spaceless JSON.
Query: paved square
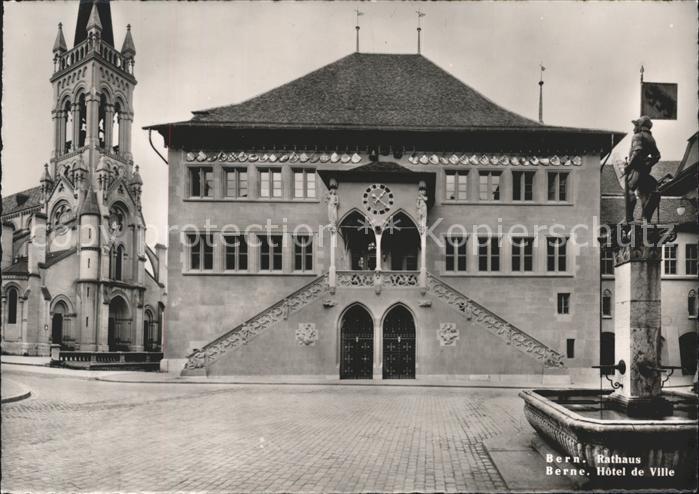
{"x":89,"y":435}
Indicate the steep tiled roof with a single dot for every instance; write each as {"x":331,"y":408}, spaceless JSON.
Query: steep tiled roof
{"x":613,"y":210}
{"x":55,"y":257}
{"x":609,"y":182}
{"x":663,"y":168}
{"x":21,"y":200}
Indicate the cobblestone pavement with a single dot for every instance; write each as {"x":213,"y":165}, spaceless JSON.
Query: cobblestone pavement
{"x":79,"y":435}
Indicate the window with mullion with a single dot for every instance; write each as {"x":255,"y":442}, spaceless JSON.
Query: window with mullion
{"x":304,"y":184}
{"x":690,"y":259}
{"x":270,"y":252}
{"x":670,"y":258}
{"x":455,"y":253}
{"x":303,"y":253}
{"x":558,"y":186}
{"x":488,"y":254}
{"x":201,"y":252}
{"x":607,"y":260}
{"x":523,"y":186}
{"x":236,"y":183}
{"x":201,"y":181}
{"x":489,"y":185}
{"x":522,"y":254}
{"x":270,"y":183}
{"x":556,"y":259}
{"x":456,"y":185}
{"x":236,"y":254}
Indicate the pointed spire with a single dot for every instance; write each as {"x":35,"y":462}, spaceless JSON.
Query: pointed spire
{"x":104,"y":14}
{"x":94,"y":21}
{"x":89,"y":205}
{"x":46,"y":176}
{"x":128,"y":49}
{"x":60,"y":46}
{"x":136,"y":177}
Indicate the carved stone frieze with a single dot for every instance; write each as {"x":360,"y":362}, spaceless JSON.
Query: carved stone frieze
{"x":496,"y":325}
{"x":306,"y":334}
{"x":243,"y":333}
{"x":448,"y":334}
{"x":387,"y":279}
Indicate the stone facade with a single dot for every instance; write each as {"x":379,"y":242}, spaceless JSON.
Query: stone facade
{"x":73,"y":249}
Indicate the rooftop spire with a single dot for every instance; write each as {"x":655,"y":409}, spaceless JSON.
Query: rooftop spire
{"x":356,"y":27}
{"x":94,"y":21}
{"x":541,"y":92}
{"x":419,"y":28}
{"x":128,"y":48}
{"x":102,"y":17}
{"x":59,"y":45}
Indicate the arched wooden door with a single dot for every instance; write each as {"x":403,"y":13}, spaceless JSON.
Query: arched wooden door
{"x":57,"y":329}
{"x":357,"y":344}
{"x":399,"y":344}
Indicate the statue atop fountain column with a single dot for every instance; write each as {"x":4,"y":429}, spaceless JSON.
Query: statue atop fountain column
{"x":333,"y":205}
{"x":643,"y":155}
{"x":422,"y":209}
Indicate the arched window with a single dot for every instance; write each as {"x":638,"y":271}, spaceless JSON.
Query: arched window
{"x":607,"y":303}
{"x":692,"y":303}
{"x":101,"y":121}
{"x":67,"y":130}
{"x":61,"y":214}
{"x":82,"y":122}
{"x":116,"y":127}
{"x":12,"y":306}
{"x":117,"y":261}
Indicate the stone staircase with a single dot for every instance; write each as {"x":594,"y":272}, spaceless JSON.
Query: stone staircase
{"x":319,"y":287}
{"x":246,"y":331}
{"x":512,"y":335}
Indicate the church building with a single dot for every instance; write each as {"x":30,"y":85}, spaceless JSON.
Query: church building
{"x":74,"y":255}
{"x":379,"y":219}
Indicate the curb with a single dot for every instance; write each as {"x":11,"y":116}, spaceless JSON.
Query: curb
{"x":20,"y":395}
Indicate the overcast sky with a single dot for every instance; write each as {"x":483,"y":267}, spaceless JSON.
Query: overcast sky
{"x":197,"y":55}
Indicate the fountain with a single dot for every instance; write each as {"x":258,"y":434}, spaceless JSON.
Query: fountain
{"x":635,"y":435}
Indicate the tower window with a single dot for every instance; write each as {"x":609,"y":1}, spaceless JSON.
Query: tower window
{"x":607,"y":260}
{"x":607,"y":303}
{"x":82,"y":121}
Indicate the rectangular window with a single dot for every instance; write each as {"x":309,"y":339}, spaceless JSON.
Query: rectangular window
{"x":670,"y":258}
{"x":270,"y":252}
{"x":455,"y":253}
{"x":488,"y":254}
{"x":490,"y":185}
{"x":523,"y":186}
{"x":304,"y":184}
{"x":607,"y":303}
{"x":570,"y":348}
{"x":236,"y":183}
{"x":556,"y":254}
{"x":558,"y":186}
{"x":456,"y":186}
{"x":236,"y":253}
{"x":563,"y":305}
{"x":201,"y":252}
{"x":522,"y":254}
{"x":690,"y":258}
{"x":271,"y":183}
{"x":303,"y":253}
{"x":201,"y":181}
{"x":607,"y":260}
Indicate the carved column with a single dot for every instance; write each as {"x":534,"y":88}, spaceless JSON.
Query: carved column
{"x":108,"y":121}
{"x":423,"y":259}
{"x":76,"y":126}
{"x":92,"y":103}
{"x":332,"y":274}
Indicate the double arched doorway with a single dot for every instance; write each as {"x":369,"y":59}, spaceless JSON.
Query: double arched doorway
{"x":357,"y":343}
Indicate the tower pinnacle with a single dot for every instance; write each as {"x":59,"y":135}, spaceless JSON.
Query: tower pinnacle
{"x":85,"y":17}
{"x":128,"y":49}
{"x":60,"y":46}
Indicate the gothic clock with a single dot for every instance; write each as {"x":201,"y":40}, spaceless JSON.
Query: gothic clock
{"x":378,"y":199}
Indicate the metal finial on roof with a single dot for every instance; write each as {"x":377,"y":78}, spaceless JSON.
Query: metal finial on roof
{"x":419,"y":28}
{"x":356,"y":27}
{"x":541,"y":92}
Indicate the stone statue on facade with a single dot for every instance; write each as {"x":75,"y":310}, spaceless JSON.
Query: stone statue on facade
{"x":333,"y":206}
{"x":643,"y":155}
{"x":422,"y":209}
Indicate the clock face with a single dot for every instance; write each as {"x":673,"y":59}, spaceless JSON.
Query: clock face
{"x":378,"y":199}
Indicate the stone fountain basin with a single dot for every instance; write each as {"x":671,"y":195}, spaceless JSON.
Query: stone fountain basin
{"x":669,"y":442}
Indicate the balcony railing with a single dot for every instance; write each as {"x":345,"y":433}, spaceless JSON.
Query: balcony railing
{"x":90,"y":47}
{"x":388,"y":279}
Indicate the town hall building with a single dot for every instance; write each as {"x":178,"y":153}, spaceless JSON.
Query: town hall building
{"x":379,"y":219}
{"x":74,"y":255}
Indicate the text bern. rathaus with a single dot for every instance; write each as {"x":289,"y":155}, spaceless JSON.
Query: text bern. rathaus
{"x":73,"y":248}
{"x":326,"y":229}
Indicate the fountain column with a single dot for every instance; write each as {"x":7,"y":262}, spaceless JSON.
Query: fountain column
{"x":637,"y":319}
